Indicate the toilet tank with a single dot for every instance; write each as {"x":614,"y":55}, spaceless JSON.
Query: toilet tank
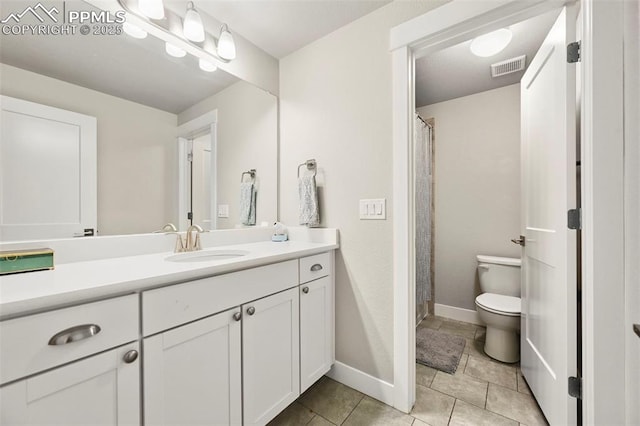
{"x":499,"y":275}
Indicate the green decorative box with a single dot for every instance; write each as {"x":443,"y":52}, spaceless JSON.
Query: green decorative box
{"x":12,"y":262}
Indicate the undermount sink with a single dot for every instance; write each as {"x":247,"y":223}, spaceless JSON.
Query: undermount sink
{"x":206,"y":255}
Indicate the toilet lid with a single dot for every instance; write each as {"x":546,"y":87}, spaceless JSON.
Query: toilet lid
{"x":499,"y":303}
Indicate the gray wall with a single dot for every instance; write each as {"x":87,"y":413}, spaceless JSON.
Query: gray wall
{"x":247,"y":133}
{"x":137,"y":150}
{"x":335,"y":98}
{"x":477,"y":187}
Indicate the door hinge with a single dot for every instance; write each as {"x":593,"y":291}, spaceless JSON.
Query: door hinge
{"x":190,"y":215}
{"x":190,"y":157}
{"x":574,"y":219}
{"x":573,"y":52}
{"x":575,"y":387}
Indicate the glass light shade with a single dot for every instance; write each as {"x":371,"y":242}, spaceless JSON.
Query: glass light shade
{"x":174,"y":51}
{"x":226,"y":45}
{"x":154,"y":9}
{"x":192,"y":27}
{"x":489,"y":44}
{"x":133,"y":31}
{"x":207,"y":65}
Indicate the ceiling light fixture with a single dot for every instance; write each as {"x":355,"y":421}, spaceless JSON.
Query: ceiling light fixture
{"x":134,"y":31}
{"x":492,"y":43}
{"x":192,"y":27}
{"x":153,"y":9}
{"x":207,"y":66}
{"x":226,"y":46}
{"x":174,"y":51}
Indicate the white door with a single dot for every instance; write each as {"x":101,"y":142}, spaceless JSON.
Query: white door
{"x":192,"y":373}
{"x":316,"y":330}
{"x":99,"y":390}
{"x":270,"y":356}
{"x":548,"y":150}
{"x":48,"y":186}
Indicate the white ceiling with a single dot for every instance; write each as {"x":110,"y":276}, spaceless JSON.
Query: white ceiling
{"x":141,"y":71}
{"x":455,"y":71}
{"x":281,"y":27}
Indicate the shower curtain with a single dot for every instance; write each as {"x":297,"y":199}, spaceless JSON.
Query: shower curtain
{"x":423,"y":150}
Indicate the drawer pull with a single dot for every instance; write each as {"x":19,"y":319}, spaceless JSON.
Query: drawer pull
{"x":316,"y":267}
{"x":305,"y":290}
{"x":74,"y":334}
{"x":130,"y":356}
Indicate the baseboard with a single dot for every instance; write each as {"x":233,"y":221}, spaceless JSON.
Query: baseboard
{"x":363,"y":382}
{"x":458,"y":314}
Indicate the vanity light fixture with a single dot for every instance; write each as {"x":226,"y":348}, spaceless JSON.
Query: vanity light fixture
{"x":192,"y":27}
{"x":153,"y":9}
{"x":207,"y":66}
{"x":174,"y":50}
{"x":133,"y":30}
{"x":492,"y":43}
{"x":226,"y":46}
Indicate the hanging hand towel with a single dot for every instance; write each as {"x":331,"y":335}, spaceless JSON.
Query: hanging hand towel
{"x":247,"y":203}
{"x":309,"y":211}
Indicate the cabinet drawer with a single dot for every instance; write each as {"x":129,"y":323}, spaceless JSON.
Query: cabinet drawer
{"x":168,"y":307}
{"x":26,"y":344}
{"x":314,"y":267}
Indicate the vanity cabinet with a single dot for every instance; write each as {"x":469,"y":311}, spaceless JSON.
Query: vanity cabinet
{"x":317,"y":353}
{"x":270,"y":356}
{"x":72,"y":366}
{"x":192,"y":373}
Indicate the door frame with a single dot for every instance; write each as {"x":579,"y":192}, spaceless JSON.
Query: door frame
{"x":602,"y":189}
{"x":206,"y":123}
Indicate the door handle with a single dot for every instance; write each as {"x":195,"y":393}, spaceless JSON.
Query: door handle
{"x":520,"y":241}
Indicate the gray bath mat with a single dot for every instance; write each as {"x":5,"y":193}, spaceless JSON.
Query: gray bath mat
{"x":438,"y":350}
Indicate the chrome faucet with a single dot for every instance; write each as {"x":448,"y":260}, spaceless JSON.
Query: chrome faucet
{"x":193,"y":244}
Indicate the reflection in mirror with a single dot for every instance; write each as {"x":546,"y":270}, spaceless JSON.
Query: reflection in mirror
{"x":141,"y":98}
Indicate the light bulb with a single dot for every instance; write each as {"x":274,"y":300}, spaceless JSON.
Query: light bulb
{"x":489,"y":44}
{"x":226,"y":45}
{"x":133,"y":31}
{"x":192,"y":27}
{"x":207,"y":66}
{"x":154,"y":9}
{"x":174,"y":51}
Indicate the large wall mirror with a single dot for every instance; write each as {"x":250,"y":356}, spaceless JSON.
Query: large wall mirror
{"x":162,"y":122}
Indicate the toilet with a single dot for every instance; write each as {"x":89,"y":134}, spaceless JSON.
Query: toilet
{"x":499,"y":306}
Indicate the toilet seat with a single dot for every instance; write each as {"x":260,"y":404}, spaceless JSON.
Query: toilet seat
{"x":499,"y":304}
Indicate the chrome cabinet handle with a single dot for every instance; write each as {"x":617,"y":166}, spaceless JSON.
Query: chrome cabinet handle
{"x":237,"y":316}
{"x":130,"y":356}
{"x":73,"y":334}
{"x":316,"y":267}
{"x":519,"y":241}
{"x":305,"y":290}
{"x":251,"y":310}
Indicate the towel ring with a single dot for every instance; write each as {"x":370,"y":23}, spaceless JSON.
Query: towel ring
{"x":311,"y":165}
{"x":251,"y":173}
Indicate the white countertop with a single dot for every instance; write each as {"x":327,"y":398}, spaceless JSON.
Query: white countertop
{"x":77,"y":282}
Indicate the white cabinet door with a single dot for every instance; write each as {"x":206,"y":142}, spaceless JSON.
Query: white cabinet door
{"x":270,"y":356}
{"x":316,"y":330}
{"x":99,"y":390}
{"x":192,"y":374}
{"x":48,"y":186}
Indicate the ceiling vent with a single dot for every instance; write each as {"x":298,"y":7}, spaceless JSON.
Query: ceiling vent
{"x":509,"y":66}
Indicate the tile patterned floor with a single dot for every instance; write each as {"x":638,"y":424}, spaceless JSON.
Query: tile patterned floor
{"x":481,"y":392}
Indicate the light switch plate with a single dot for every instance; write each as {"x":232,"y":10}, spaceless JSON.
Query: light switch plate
{"x":223,"y":210}
{"x":373,"y":209}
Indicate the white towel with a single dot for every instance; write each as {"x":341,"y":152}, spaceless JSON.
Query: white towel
{"x":309,"y":211}
{"x":248,"y":203}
